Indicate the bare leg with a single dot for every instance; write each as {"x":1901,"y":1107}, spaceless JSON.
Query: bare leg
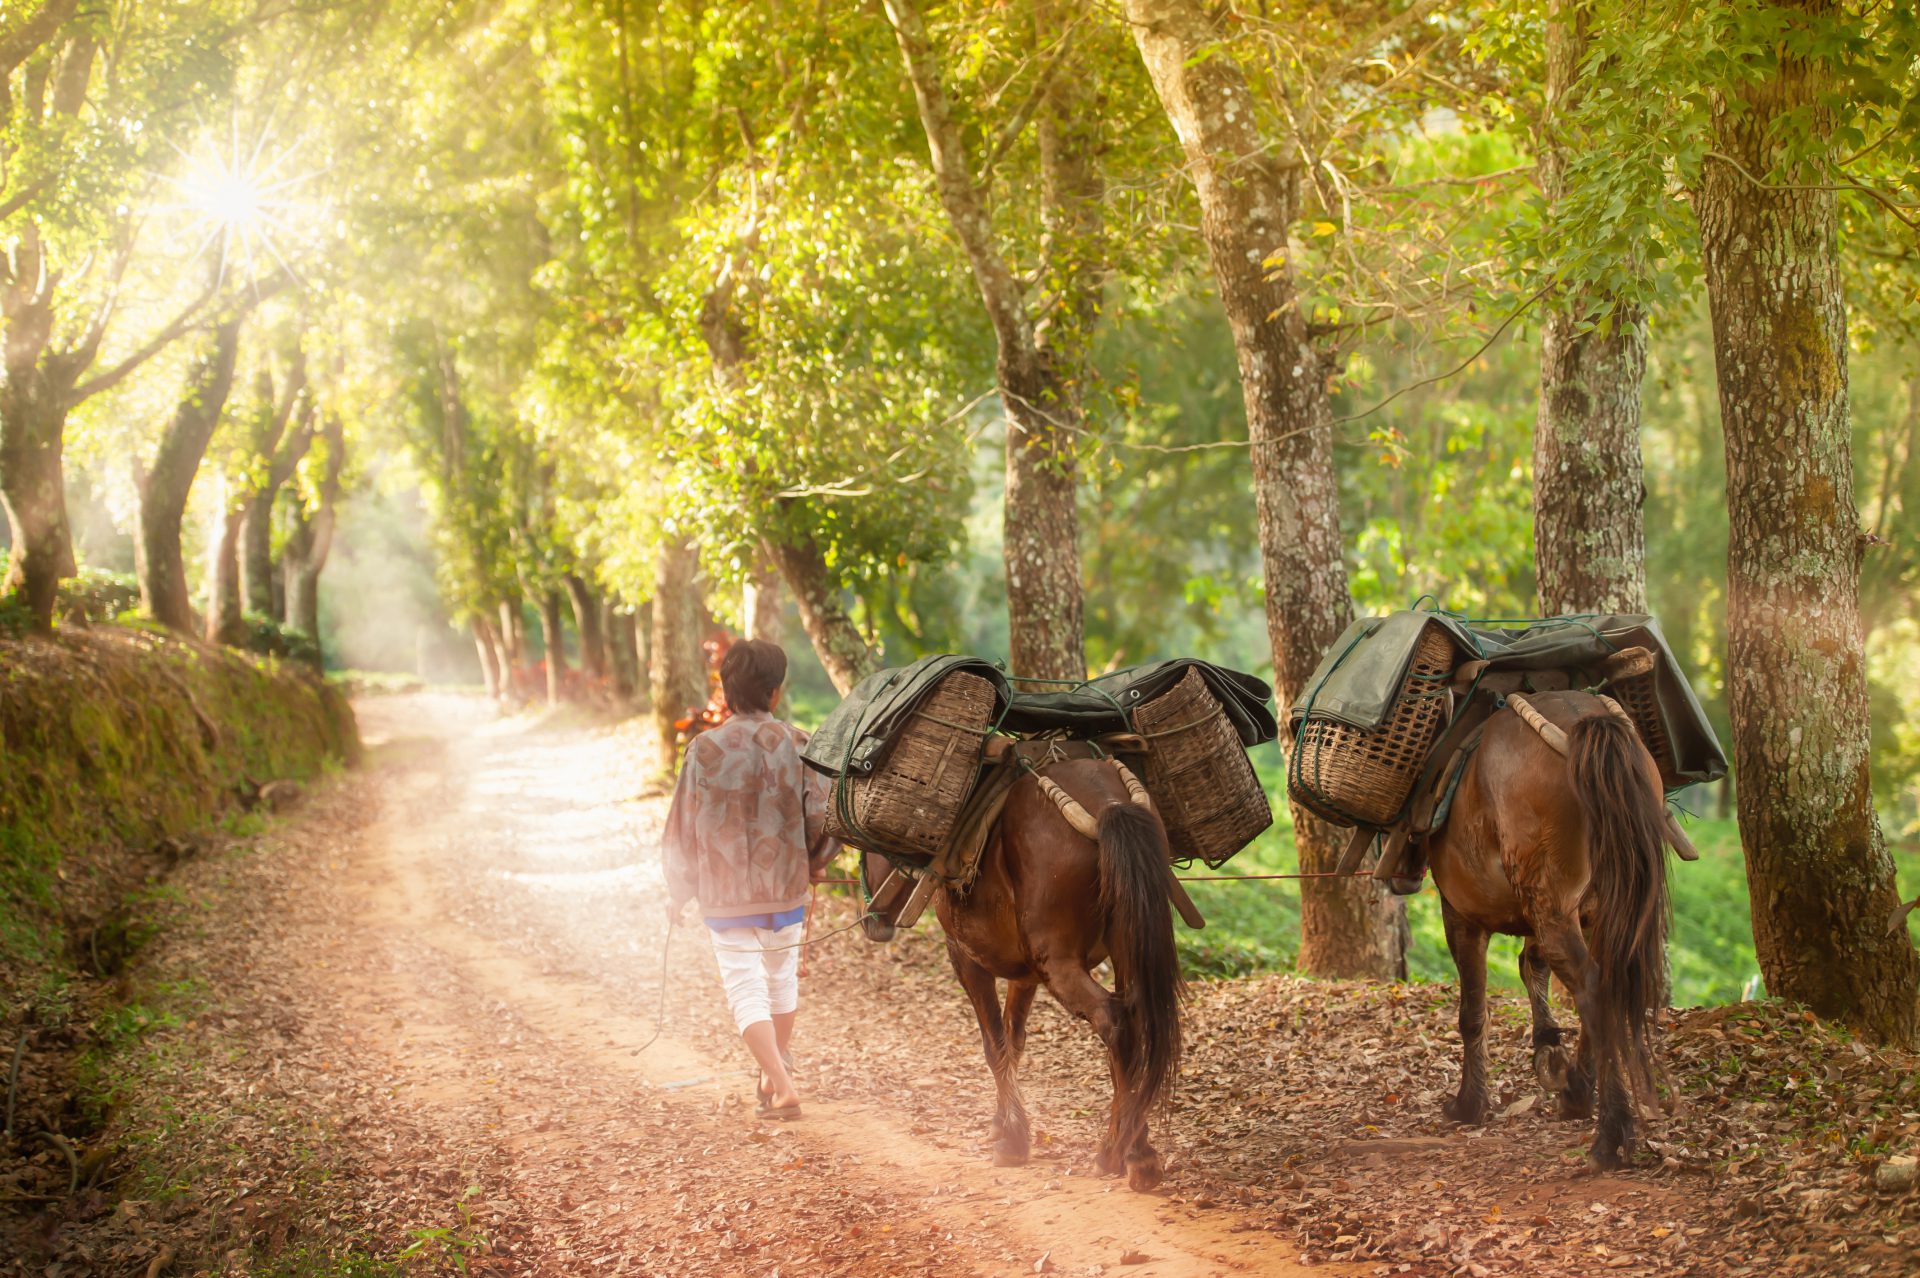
{"x":783,"y":1037}
{"x":765,"y":1046}
{"x":1467,"y":942}
{"x":1011,"y":1135}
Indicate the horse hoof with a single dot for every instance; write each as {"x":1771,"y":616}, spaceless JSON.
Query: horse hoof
{"x":1143,"y":1174}
{"x":1009,"y":1156}
{"x":1606,"y":1158}
{"x":1109,"y":1163}
{"x":1552,"y":1068}
{"x":1575,"y":1110}
{"x":1460,"y":1109}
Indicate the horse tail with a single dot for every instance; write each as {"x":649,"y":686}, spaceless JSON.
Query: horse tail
{"x":1146,"y":968}
{"x":1627,"y":938}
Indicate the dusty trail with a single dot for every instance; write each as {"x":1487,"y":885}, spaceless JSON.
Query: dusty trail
{"x":512,"y":881}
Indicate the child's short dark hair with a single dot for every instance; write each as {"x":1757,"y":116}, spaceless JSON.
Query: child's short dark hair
{"x":751,"y":672}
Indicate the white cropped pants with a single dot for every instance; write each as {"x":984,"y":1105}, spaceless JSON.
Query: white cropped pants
{"x":759,"y":985}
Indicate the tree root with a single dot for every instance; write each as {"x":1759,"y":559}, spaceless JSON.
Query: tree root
{"x":209,"y":730}
{"x":73,"y":1160}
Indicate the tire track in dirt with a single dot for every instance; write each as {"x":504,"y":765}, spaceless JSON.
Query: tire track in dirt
{"x":455,"y":794}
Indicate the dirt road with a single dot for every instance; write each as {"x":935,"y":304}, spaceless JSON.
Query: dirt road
{"x":451,"y":960}
{"x":513,"y":877}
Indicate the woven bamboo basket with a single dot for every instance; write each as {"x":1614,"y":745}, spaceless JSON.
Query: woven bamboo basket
{"x":1638,"y":696}
{"x":907,"y":805}
{"x":1358,"y":776}
{"x":1199,"y":775}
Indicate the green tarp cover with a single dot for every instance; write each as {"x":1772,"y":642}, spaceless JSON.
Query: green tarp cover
{"x":1360,"y":676}
{"x":857,"y":735}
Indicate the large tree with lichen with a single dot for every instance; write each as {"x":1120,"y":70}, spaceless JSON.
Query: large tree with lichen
{"x":1799,"y":109}
{"x":1277,"y":114}
{"x":1042,"y":305}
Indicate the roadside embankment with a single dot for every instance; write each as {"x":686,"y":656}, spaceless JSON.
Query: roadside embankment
{"x":114,"y":741}
{"x":122,"y":753}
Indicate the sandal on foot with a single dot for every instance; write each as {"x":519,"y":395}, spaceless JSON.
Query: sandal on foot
{"x":783,"y":1114}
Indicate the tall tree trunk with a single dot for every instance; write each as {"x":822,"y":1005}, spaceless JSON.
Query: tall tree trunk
{"x":1249,"y":195}
{"x":504,"y":661}
{"x":676,"y":675}
{"x":1590,"y":545}
{"x":311,"y":540}
{"x":33,"y":491}
{"x":513,"y":633}
{"x":618,"y":627}
{"x":272,"y":454}
{"x":483,"y":646}
{"x":643,"y":653}
{"x":842,"y":649}
{"x":1821,"y":882}
{"x":760,"y":604}
{"x":256,"y":552}
{"x":35,"y":386}
{"x":586,"y":620}
{"x":1037,"y":370}
{"x":225,"y":625}
{"x":553,"y":639}
{"x":164,"y":488}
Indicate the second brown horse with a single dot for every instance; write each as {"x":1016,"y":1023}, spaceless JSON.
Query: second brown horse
{"x":1049,"y":905}
{"x":1568,"y":853}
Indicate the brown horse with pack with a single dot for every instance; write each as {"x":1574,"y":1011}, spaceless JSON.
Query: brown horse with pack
{"x":1527,"y":767}
{"x":1043,"y":826}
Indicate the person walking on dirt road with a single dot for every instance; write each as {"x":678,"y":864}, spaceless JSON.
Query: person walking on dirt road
{"x":746,"y":836}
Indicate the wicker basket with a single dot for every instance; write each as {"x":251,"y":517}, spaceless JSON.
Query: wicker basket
{"x":1357,"y":776}
{"x":1638,"y":696}
{"x":908,"y":804}
{"x":1198,"y":773}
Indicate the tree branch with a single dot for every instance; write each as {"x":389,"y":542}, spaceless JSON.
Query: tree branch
{"x":1364,"y":46}
{"x":1886,"y":201}
{"x":124,"y":369}
{"x":21,"y":199}
{"x":30,"y":36}
{"x":966,"y":210}
{"x":1035,"y":96}
{"x":253,"y":296}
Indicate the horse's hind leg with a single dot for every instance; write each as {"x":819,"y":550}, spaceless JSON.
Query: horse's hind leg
{"x":1011,"y":1136}
{"x":1467,"y":942}
{"x":1553,"y":1064}
{"x":1566,"y":951}
{"x":1019,"y":1003}
{"x":1125,"y":1146}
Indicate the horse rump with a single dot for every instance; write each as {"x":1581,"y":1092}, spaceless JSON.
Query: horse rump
{"x":1615,"y":785}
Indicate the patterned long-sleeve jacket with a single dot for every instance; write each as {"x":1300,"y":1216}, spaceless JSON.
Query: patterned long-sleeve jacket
{"x":748,"y":820}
